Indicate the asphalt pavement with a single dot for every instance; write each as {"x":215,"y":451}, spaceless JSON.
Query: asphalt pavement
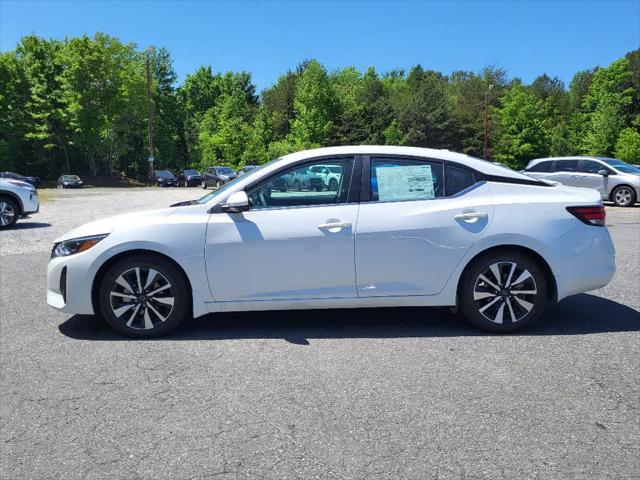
{"x":410,"y":393}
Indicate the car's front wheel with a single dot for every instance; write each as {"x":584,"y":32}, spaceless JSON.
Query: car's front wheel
{"x":503,"y":292}
{"x":8,"y":212}
{"x":144,"y":296}
{"x":623,"y":196}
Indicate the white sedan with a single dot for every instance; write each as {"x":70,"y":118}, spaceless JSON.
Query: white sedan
{"x":404,"y":227}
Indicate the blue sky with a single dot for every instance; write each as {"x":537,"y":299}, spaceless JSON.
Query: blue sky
{"x":267,"y":38}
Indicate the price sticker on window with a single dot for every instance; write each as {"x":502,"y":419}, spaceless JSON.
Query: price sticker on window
{"x":407,"y":182}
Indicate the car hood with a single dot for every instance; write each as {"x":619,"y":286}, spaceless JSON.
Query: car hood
{"x":109,"y":224}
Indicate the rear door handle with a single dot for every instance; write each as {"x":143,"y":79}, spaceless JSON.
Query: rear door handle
{"x":334,"y":226}
{"x":471,"y":217}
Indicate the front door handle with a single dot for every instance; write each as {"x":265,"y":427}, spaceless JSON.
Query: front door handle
{"x":334,"y":226}
{"x":471,"y":217}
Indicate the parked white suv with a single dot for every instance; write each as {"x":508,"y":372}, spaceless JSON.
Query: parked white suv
{"x":330,"y":175}
{"x":17,"y":199}
{"x":616,"y":180}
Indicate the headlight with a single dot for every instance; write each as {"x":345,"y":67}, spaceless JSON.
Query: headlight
{"x":75,"y":245}
{"x":21,"y":184}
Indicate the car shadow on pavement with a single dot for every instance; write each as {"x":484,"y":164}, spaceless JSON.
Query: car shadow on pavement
{"x":29,"y":225}
{"x":582,"y":314}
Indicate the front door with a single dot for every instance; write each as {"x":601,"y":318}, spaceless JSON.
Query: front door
{"x":291,"y":244}
{"x":590,"y":178}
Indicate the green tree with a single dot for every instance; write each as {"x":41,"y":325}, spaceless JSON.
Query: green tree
{"x":628,"y":146}
{"x":522,"y":123}
{"x":421,"y":109}
{"x":604,"y":127}
{"x":315,"y":106}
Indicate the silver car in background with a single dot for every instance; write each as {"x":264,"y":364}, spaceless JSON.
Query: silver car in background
{"x":616,"y":180}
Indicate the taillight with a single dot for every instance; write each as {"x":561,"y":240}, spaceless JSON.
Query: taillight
{"x":590,"y":215}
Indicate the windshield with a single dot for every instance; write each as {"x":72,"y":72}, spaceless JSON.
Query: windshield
{"x":233,"y":183}
{"x":164,"y":173}
{"x":225,"y":170}
{"x":620,"y":165}
{"x":191,"y":172}
{"x":70,"y":177}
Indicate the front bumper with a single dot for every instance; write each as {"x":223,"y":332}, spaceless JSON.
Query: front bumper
{"x":30,"y":203}
{"x":69,"y":284}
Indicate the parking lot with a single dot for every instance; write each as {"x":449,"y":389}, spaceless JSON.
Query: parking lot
{"x":387,"y":393}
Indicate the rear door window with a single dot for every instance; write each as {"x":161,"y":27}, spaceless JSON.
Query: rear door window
{"x":566,"y":166}
{"x":394,"y":180}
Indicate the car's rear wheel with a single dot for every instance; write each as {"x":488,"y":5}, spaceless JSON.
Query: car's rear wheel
{"x":503,"y":292}
{"x":9,"y":212}
{"x":333,"y":185}
{"x":623,"y":196}
{"x":218,"y":184}
{"x":143,"y":296}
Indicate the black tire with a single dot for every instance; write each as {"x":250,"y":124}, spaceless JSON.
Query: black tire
{"x":218,"y":184}
{"x":481,"y":303}
{"x":9,"y":212}
{"x":136,"y":325}
{"x":333,"y":185}
{"x":623,"y":196}
{"x":297,"y":186}
{"x":204,"y":185}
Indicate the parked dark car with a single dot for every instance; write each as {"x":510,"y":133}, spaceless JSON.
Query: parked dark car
{"x":246,"y":169}
{"x":190,"y":178}
{"x":70,"y":181}
{"x":35,"y":181}
{"x":164,"y":178}
{"x":217,"y":176}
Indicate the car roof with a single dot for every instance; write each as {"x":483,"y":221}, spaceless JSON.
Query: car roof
{"x":482,"y":166}
{"x":551,"y":159}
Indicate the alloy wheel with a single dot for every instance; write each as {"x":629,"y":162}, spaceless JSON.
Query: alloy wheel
{"x":7,"y":213}
{"x":505,"y":292}
{"x":623,"y":196}
{"x":142,"y":298}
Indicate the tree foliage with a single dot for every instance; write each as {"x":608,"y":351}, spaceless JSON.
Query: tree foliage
{"x":79,"y":105}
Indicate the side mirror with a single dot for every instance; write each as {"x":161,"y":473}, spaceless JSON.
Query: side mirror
{"x":237,"y":202}
{"x":603,"y":172}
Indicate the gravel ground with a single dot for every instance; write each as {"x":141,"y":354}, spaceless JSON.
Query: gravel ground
{"x":387,"y":393}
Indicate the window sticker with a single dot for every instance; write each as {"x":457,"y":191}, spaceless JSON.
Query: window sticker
{"x":414,"y":182}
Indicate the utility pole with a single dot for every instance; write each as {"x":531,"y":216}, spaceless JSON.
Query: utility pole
{"x":486,"y":122}
{"x":150,"y":115}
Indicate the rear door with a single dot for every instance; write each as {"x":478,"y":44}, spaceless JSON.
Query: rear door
{"x":566,"y":172}
{"x":418,"y":218}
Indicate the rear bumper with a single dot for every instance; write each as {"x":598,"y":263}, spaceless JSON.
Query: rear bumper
{"x":583,"y":260}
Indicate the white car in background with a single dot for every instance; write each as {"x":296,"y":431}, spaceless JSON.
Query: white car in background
{"x":17,"y":199}
{"x":330,"y":175}
{"x":409,"y":227}
{"x":616,"y":180}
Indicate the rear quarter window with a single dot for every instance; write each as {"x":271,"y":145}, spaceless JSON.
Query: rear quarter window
{"x":457,"y":179}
